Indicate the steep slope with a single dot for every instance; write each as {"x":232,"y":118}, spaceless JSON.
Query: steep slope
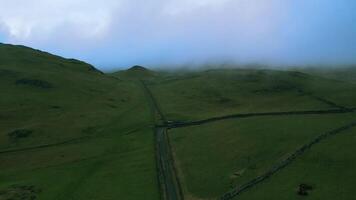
{"x":68,"y":131}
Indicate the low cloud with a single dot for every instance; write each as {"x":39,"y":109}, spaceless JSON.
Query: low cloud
{"x":116,"y":33}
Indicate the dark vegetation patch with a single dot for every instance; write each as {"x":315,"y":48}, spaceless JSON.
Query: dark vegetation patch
{"x":20,"y":134}
{"x":298,"y":75}
{"x":7,"y":73}
{"x":111,"y":106}
{"x":55,"y":107}
{"x":20,"y":192}
{"x":211,"y":93}
{"x":90,"y":130}
{"x":35,"y":83}
{"x":278,"y":87}
{"x":95,"y":90}
{"x":304,"y":189}
{"x":224,"y":100}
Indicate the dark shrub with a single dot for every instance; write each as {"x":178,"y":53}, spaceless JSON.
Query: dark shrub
{"x":20,"y":133}
{"x":34,"y":83}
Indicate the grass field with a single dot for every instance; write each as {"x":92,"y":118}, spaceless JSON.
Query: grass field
{"x":215,"y":157}
{"x":69,"y":131}
{"x":329,"y":168}
{"x":221,"y":92}
{"x":98,"y":131}
{"x":340,"y":73}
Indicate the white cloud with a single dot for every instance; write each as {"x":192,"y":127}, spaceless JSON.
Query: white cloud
{"x":179,"y":7}
{"x":178,"y":31}
{"x":39,"y":19}
{"x":144,"y":26}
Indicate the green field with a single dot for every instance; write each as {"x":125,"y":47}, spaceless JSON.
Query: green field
{"x":222,"y":92}
{"x":216,"y":157}
{"x":98,"y":131}
{"x":329,"y":168}
{"x":69,"y":131}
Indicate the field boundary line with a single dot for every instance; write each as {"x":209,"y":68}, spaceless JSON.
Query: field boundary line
{"x":44,"y":145}
{"x":65,"y":142}
{"x":321,"y":99}
{"x":248,"y":115}
{"x":287,"y":161}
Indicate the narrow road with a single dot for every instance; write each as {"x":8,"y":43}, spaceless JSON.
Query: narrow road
{"x":152,"y":99}
{"x":248,"y":115}
{"x":167,"y":175}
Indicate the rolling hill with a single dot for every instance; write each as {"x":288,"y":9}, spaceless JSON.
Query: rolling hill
{"x":69,"y":131}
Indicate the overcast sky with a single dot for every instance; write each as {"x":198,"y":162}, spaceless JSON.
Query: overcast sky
{"x":121,"y":33}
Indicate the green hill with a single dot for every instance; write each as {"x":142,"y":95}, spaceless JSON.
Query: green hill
{"x":67,"y":129}
{"x":213,"y":93}
{"x":341,"y":73}
{"x":135,"y":72}
{"x":216,"y":152}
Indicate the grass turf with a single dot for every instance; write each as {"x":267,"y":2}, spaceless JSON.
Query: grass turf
{"x":98,"y":130}
{"x":329,"y":168}
{"x":77,"y":133}
{"x":201,"y":95}
{"x":215,"y":157}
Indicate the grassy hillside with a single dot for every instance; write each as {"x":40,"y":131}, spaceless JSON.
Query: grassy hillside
{"x":211,"y":93}
{"x":215,"y":157}
{"x":341,"y":73}
{"x":68,"y":131}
